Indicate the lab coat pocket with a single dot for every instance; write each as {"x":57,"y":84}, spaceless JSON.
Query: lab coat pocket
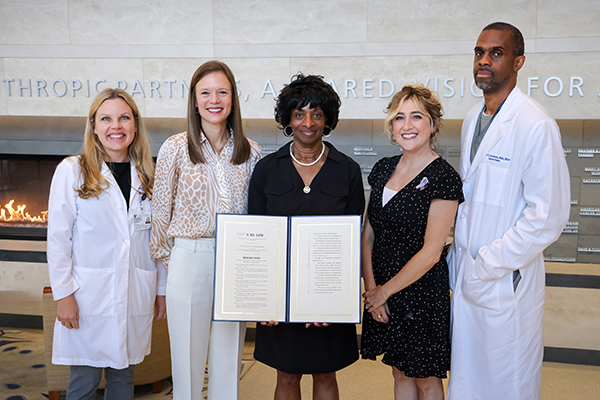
{"x":142,"y":292}
{"x":96,"y":295}
{"x":490,"y":184}
{"x":483,"y":293}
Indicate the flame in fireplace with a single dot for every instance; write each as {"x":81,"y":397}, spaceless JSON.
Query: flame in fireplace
{"x":18,"y":214}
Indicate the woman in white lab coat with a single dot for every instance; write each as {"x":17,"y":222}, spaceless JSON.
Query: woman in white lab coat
{"x":98,"y":251}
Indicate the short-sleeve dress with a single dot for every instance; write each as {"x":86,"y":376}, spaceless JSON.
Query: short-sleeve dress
{"x":416,"y":339}
{"x":276,"y":189}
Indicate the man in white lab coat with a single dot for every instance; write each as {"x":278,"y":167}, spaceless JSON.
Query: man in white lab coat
{"x":517,"y":200}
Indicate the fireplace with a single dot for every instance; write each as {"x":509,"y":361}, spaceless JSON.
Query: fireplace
{"x":24,"y":189}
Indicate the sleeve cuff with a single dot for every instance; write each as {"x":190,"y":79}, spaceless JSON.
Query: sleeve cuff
{"x":161,"y":280}
{"x":65,"y":290}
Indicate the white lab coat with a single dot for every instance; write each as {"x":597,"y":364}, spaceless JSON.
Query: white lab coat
{"x":95,"y":252}
{"x":517,"y":201}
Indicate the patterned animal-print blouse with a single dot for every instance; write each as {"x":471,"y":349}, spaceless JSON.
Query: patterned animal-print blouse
{"x":188,"y":196}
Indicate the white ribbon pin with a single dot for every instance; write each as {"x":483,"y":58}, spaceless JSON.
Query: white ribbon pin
{"x":423,"y":183}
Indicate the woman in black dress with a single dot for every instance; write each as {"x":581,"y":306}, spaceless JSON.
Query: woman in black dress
{"x":306,"y":177}
{"x":414,"y":197}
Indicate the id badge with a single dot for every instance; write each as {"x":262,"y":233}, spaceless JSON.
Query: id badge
{"x":142,"y":221}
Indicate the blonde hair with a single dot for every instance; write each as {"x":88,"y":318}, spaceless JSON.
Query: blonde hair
{"x":93,"y":152}
{"x":241,"y":146}
{"x":426,"y":102}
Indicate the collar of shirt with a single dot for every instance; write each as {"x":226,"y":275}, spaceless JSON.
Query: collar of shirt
{"x":209,"y":152}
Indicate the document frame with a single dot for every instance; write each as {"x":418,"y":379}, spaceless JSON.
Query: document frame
{"x":287,"y":269}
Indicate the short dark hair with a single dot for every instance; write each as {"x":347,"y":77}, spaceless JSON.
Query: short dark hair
{"x":516,"y":37}
{"x":303,"y":90}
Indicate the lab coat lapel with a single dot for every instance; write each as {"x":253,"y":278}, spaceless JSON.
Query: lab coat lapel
{"x":492,"y":136}
{"x":135,"y":186}
{"x":494,"y":133}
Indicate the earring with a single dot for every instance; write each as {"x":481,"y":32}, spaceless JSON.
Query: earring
{"x":326,"y":131}
{"x":288,"y":132}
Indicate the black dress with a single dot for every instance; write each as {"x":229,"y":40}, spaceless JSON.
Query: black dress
{"x":416,"y":339}
{"x":276,"y":189}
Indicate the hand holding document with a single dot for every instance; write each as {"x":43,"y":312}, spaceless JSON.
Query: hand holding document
{"x":297,"y":269}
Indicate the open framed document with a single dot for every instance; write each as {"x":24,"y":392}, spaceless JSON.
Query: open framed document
{"x":287,"y":269}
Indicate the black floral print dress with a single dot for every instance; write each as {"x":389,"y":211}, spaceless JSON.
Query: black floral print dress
{"x":416,"y":339}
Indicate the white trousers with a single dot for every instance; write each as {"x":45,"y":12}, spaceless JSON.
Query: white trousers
{"x":192,"y":332}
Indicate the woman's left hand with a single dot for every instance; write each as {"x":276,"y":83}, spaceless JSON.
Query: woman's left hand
{"x":375,"y":297}
{"x":160,"y":307}
{"x":380,"y":314}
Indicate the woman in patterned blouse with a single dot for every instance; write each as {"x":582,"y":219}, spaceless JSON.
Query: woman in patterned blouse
{"x":200,"y":173}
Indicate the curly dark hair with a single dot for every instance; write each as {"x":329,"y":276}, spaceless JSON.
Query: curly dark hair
{"x":303,"y":90}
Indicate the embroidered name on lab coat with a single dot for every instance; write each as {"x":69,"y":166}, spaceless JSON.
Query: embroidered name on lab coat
{"x":498,"y":159}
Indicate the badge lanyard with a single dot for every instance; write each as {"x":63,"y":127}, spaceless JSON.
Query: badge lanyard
{"x":493,"y":116}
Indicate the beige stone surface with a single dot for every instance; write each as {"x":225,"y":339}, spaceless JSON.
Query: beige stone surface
{"x":252,"y":76}
{"x":274,"y":21}
{"x":572,"y":268}
{"x":266,"y":42}
{"x":575,"y":18}
{"x":416,"y":20}
{"x":572,"y":318}
{"x":466,"y":94}
{"x":349,"y":75}
{"x":176,"y":69}
{"x":565,"y":67}
{"x":3,"y":93}
{"x":66,"y":69}
{"x":34,"y":22}
{"x":134,"y":22}
{"x":362,"y":82}
{"x":21,"y":287}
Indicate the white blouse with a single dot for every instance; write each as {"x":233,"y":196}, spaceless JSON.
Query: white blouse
{"x":387,"y":195}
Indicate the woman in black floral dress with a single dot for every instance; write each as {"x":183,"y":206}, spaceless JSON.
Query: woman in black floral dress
{"x":414,"y":197}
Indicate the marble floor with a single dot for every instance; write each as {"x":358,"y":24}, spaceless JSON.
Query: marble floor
{"x":22,"y":376}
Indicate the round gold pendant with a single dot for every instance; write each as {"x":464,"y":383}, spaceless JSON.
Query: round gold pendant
{"x":306,"y":189}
